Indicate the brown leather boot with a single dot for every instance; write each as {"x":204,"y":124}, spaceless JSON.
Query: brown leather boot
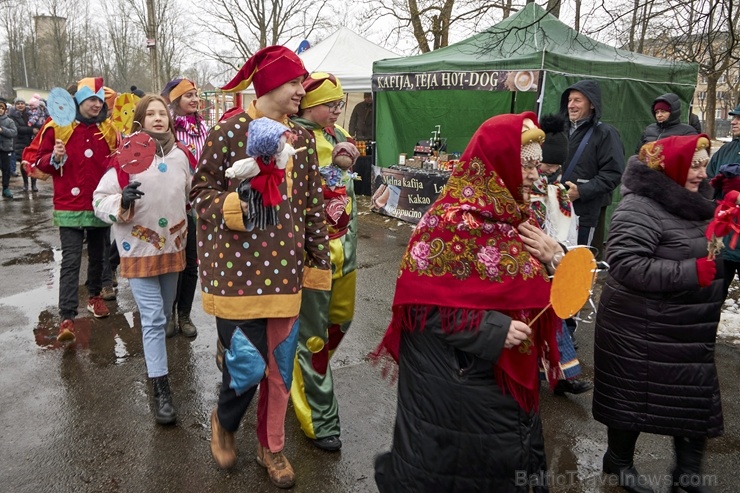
{"x":277,"y":465}
{"x":222,"y":444}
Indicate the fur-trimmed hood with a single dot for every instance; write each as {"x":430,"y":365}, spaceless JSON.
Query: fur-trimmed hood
{"x":677,"y":200}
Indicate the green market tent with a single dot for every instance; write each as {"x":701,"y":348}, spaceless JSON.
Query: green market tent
{"x":460,"y":86}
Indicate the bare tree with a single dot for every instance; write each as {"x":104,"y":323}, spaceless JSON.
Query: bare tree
{"x":239,"y":28}
{"x":124,"y":54}
{"x":171,"y":35}
{"x":17,"y":33}
{"x":430,"y":21}
{"x":705,"y":32}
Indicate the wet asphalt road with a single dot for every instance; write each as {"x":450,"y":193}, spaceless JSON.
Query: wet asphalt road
{"x":79,"y":419}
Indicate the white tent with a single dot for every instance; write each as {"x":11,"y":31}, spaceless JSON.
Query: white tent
{"x":348,"y":56}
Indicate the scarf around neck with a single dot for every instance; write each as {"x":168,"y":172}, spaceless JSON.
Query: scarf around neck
{"x":165,"y":141}
{"x":189,"y":123}
{"x":465,"y":257}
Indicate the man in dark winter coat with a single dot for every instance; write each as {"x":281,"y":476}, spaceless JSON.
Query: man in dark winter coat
{"x":598,"y":167}
{"x":667,"y":112}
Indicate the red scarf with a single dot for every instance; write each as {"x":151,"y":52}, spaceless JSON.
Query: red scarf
{"x":268,"y":181}
{"x":465,"y":257}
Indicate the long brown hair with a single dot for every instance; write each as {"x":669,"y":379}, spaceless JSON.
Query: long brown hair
{"x":140,"y":112}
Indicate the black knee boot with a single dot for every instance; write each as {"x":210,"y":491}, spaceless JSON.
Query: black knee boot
{"x":618,"y":460}
{"x":164,"y":412}
{"x":687,"y":473}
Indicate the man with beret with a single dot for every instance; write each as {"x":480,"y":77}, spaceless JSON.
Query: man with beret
{"x":77,"y":156}
{"x":252,"y":275}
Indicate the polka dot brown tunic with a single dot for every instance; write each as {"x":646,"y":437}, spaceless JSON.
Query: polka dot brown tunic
{"x":258,"y":273}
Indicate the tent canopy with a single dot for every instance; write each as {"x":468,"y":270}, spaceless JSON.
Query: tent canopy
{"x":348,"y":56}
{"x":409,"y":105}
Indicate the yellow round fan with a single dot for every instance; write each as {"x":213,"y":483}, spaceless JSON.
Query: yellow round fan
{"x":571,"y":283}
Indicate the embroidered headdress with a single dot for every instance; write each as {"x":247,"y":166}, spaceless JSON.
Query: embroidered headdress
{"x":675,"y":155}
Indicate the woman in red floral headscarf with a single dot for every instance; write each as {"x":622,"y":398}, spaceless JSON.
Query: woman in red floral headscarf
{"x":472,"y":278}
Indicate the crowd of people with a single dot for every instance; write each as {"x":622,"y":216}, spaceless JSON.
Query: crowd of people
{"x":261,"y":210}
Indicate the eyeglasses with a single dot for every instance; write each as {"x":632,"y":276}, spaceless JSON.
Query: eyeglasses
{"x":531,"y":166}
{"x":334,"y":106}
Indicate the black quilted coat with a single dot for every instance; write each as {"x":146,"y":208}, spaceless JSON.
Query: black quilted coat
{"x":455,"y":431}
{"x":655,"y":327}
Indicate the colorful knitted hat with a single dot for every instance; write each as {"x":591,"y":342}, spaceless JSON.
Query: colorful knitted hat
{"x":321,"y":88}
{"x":675,"y":155}
{"x":268,"y":69}
{"x":90,"y":87}
{"x":176,"y":88}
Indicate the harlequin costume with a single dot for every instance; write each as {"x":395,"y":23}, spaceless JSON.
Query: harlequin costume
{"x":467,"y":415}
{"x":326,"y":316}
{"x":252,"y":281}
{"x":89,"y":143}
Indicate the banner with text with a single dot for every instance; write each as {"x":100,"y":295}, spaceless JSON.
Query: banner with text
{"x":405,"y":193}
{"x":479,"y":80}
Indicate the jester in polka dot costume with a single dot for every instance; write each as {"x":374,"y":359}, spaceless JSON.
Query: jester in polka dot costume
{"x":252,"y":278}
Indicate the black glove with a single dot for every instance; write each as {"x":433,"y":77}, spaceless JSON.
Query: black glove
{"x":130,"y":193}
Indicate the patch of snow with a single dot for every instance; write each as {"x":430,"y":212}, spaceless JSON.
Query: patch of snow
{"x":729,"y":326}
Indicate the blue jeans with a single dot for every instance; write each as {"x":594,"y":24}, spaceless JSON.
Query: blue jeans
{"x":154,"y":297}
{"x":13,"y":158}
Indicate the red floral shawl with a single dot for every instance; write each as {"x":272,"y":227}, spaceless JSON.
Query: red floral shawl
{"x":465,"y":257}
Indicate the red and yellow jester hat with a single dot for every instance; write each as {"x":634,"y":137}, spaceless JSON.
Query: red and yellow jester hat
{"x":321,"y":88}
{"x":90,"y":87}
{"x":268,"y":69}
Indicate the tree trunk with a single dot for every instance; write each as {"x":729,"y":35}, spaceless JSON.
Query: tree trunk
{"x":711,"y":105}
{"x":553,"y":6}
